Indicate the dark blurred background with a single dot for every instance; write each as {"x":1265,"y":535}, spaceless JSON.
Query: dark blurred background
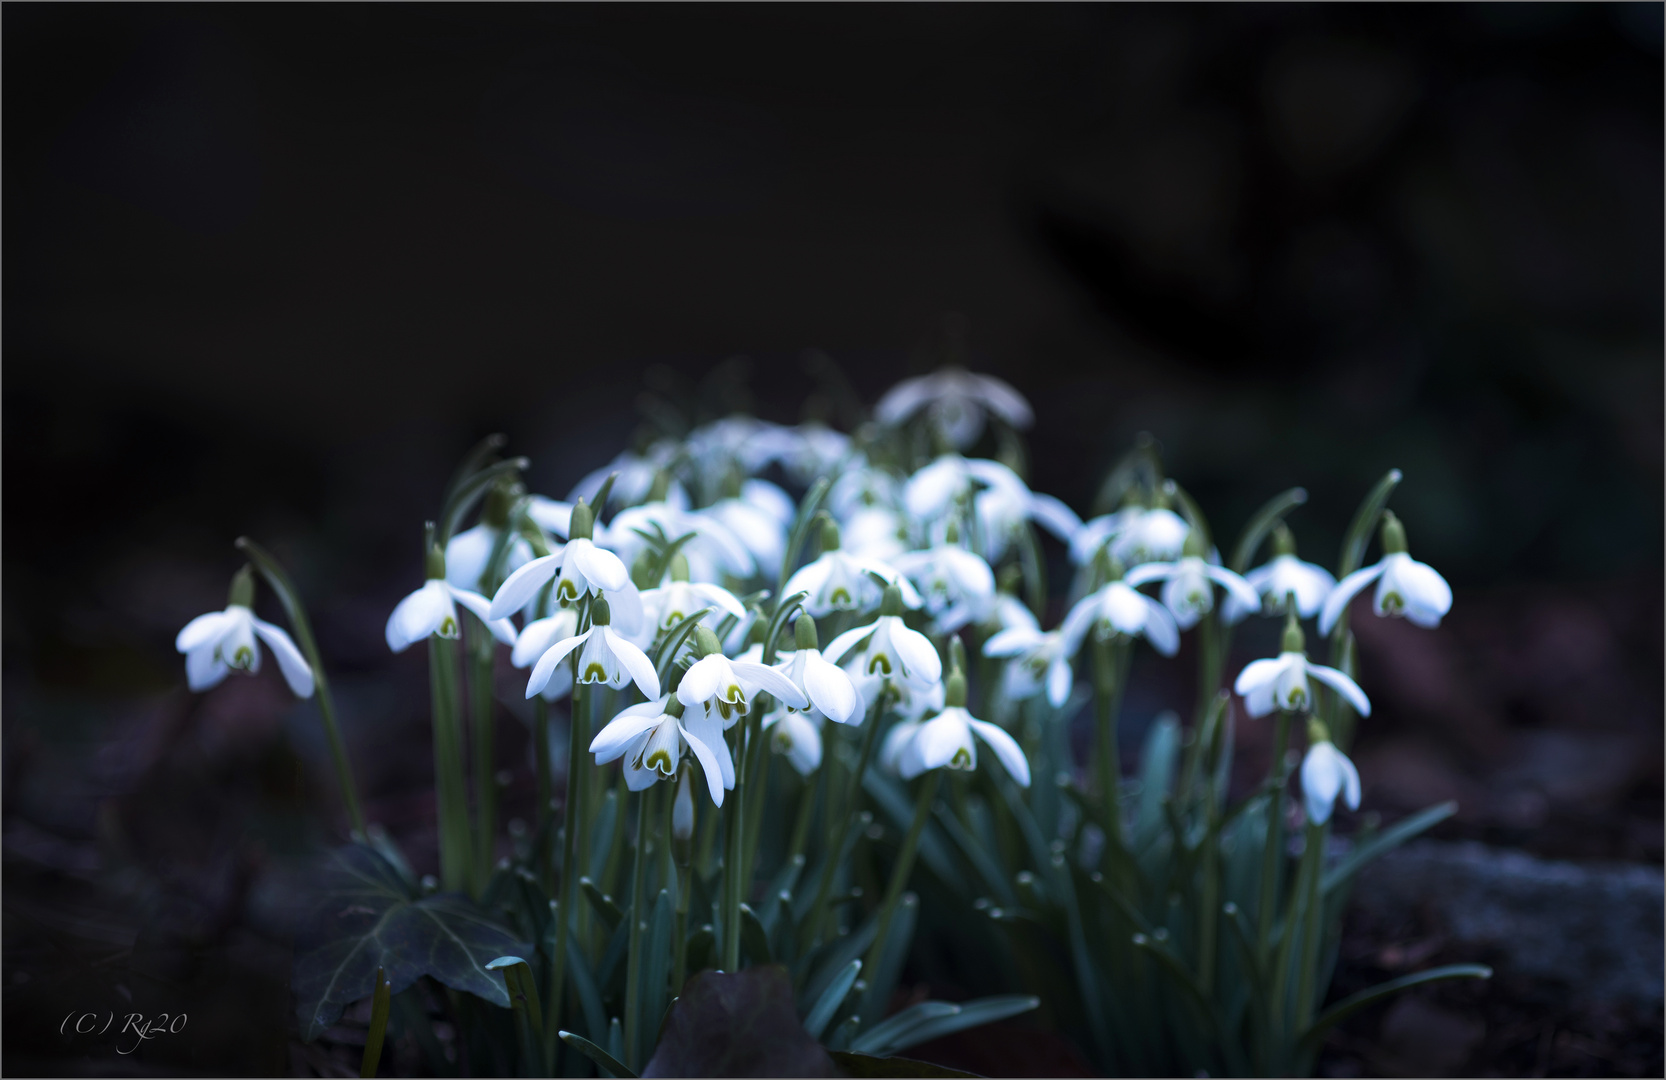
{"x":271,"y":270}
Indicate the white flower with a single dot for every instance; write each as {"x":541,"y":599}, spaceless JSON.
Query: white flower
{"x":637,"y":475}
{"x":1118,"y":608}
{"x":220,"y":641}
{"x":728,"y":685}
{"x":1405,"y":587}
{"x":957,"y":586}
{"x":675,"y":601}
{"x":1187,"y":589}
{"x":875,"y":532}
{"x":1281,"y":683}
{"x":864,"y":485}
{"x":607,"y":658}
{"x":1326,"y":773}
{"x":584,"y":570}
{"x":1037,"y":661}
{"x":829,"y":691}
{"x":839,"y":581}
{"x":1157,"y":535}
{"x":1008,"y":611}
{"x":889,"y":650}
{"x":817,"y":450}
{"x":762,"y":534}
{"x":1275,"y":580}
{"x":651,"y":741}
{"x":469,"y":551}
{"x":958,"y":401}
{"x":796,"y":735}
{"x":537,"y":638}
{"x":945,"y":741}
{"x":432,"y":610}
{"x":714,"y":551}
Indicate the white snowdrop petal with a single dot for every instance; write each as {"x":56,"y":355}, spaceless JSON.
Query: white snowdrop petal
{"x":521,"y":586}
{"x":203,"y":669}
{"x":296,"y":671}
{"x":200,"y":631}
{"x":1006,"y":749}
{"x":1345,"y":590}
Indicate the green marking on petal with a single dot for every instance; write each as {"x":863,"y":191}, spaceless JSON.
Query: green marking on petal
{"x":878,"y":660}
{"x":961,"y":759}
{"x":593,"y":673}
{"x":660,"y":762}
{"x":448,"y":627}
{"x":244,"y":657}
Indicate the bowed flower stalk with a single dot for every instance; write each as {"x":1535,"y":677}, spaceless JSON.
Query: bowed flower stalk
{"x":1280,"y":578}
{"x":1406,"y":588}
{"x":1189,"y":584}
{"x":221,"y":642}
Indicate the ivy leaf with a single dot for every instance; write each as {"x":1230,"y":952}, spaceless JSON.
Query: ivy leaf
{"x":743,"y":1024}
{"x":367,"y":918}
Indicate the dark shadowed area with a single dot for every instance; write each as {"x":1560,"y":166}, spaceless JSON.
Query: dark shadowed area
{"x":272,"y":270}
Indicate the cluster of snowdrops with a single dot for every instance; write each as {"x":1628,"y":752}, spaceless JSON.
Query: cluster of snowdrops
{"x":877,"y":632}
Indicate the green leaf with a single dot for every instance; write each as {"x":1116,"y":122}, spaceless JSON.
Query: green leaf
{"x":783,"y":612}
{"x":740,"y":1024}
{"x":1348,"y":1006}
{"x":469,"y":492}
{"x":864,"y":1065}
{"x":609,"y":912}
{"x":1365,"y":521}
{"x":754,"y":942}
{"x":473,"y":462}
{"x":365,"y":918}
{"x":601,"y":1057}
{"x":988,"y":868}
{"x":842,"y":952}
{"x":1384,"y":842}
{"x":601,"y":833}
{"x":666,"y":654}
{"x":888,"y":968}
{"x":834,"y":996}
{"x":896,"y":804}
{"x":1260,"y":524}
{"x":880,"y":1036}
{"x":930,"y":1026}
{"x":656,"y":964}
{"x":801,"y":528}
{"x":1157,"y":765}
{"x":603,"y":493}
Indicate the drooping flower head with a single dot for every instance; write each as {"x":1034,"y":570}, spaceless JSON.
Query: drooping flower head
{"x":1326,"y":773}
{"x":651,"y":738}
{"x":957,"y":402}
{"x":887,"y":650}
{"x":957,"y":585}
{"x":1117,"y":608}
{"x":431,"y":611}
{"x":1406,"y":588}
{"x":220,"y":642}
{"x":841,"y":581}
{"x":1278,"y":579}
{"x":608,"y":657}
{"x":728,"y":686}
{"x":946,"y":740}
{"x":828,"y":689}
{"x":1189,"y":583}
{"x":1282,"y":683}
{"x":469,"y":553}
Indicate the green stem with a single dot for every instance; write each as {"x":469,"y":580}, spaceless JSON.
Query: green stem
{"x":734,"y":864}
{"x":1110,"y":664}
{"x":838,"y":820}
{"x":1209,"y":908}
{"x":1312,"y":922}
{"x":633,"y":955}
{"x":572,"y":828}
{"x":546,"y":789}
{"x":1283,"y":1007}
{"x":806,"y":811}
{"x":338,"y":751}
{"x":480,"y":719}
{"x":902,"y":868}
{"x":1272,"y":855}
{"x":451,"y":785}
{"x":685,"y":882}
{"x":757,"y":774}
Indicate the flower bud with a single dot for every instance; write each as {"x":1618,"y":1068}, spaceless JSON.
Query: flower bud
{"x":582,"y":525}
{"x":804,"y":630}
{"x":954,"y":690}
{"x":957,"y":655}
{"x":1393,"y":534}
{"x":951,"y":535}
{"x":1294,"y":639}
{"x":242,"y":588}
{"x":705,"y":643}
{"x":600,"y":613}
{"x":892,"y":603}
{"x":1284,"y":541}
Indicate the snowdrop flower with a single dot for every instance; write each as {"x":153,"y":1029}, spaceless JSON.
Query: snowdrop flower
{"x":651,"y":738}
{"x":1405,"y":587}
{"x":217,"y":643}
{"x":839,"y":580}
{"x":956,"y":401}
{"x":537,"y":638}
{"x":817,"y":450}
{"x":829,"y":691}
{"x":679,"y":598}
{"x":607,"y":658}
{"x":1003,"y":507}
{"x":1117,"y":608}
{"x":713,"y":552}
{"x":1155,"y":535}
{"x":863,"y":486}
{"x":1279,"y":578}
{"x":1282,"y":684}
{"x":797,"y":736}
{"x":1189,"y":584}
{"x":467,"y":553}
{"x":1326,"y":773}
{"x":1037,"y":661}
{"x":638,"y":474}
{"x":945,"y":741}
{"x":1095,"y":533}
{"x":888,"y":649}
{"x":432,"y":610}
{"x":584,"y":570}
{"x":957,"y":586}
{"x":745,"y":441}
{"x":875,"y":532}
{"x":754,"y":522}
{"x":729,"y":685}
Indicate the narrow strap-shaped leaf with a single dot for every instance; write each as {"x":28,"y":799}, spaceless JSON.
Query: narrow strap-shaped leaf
{"x":994,"y":877}
{"x":834,"y":996}
{"x":1384,"y":842}
{"x":1260,"y":524}
{"x":843,"y":951}
{"x":603,"y":493}
{"x":783,"y":612}
{"x":801,"y":528}
{"x":887,"y":968}
{"x":379,"y":1003}
{"x":971,"y":1014}
{"x":891,"y":798}
{"x":754,"y":942}
{"x":595,"y":1053}
{"x":1365,"y":520}
{"x":584,"y":984}
{"x":473,"y":462}
{"x":604,"y":905}
{"x":882,"y":1034}
{"x":1190,"y":510}
{"x":1348,"y":1006}
{"x":666,"y":654}
{"x":469,"y":492}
